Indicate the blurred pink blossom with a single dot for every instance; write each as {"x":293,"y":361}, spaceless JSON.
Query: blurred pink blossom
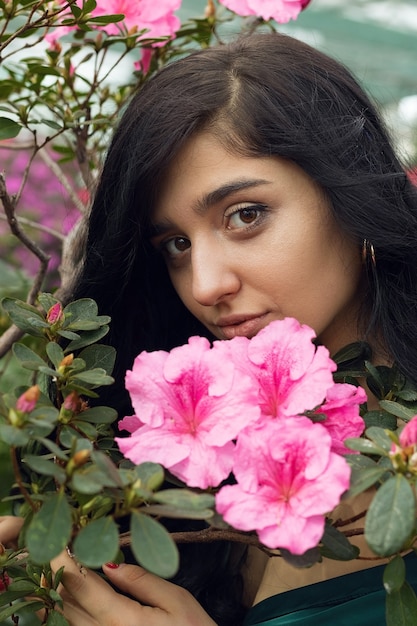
{"x":44,"y":201}
{"x":288,"y":479}
{"x":408,"y":435}
{"x":158,"y":17}
{"x":281,"y":11}
{"x":191,"y":406}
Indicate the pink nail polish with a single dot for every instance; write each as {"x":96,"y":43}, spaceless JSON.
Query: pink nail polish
{"x":112,"y":565}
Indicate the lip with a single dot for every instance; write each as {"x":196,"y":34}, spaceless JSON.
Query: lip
{"x":241,"y":325}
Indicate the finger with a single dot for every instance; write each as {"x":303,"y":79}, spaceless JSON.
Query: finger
{"x":78,"y":581}
{"x":91,"y":596}
{"x":75,"y":615}
{"x":10,"y":528}
{"x":146,"y":587}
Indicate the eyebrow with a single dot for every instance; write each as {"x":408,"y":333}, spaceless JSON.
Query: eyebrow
{"x":219,"y":194}
{"x":211,"y":198}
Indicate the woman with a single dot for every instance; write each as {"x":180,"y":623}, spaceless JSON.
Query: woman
{"x":263,"y":174}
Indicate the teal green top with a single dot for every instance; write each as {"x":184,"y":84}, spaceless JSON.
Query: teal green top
{"x":356,"y":599}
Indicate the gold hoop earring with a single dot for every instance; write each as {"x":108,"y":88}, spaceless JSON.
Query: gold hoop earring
{"x":368,"y":252}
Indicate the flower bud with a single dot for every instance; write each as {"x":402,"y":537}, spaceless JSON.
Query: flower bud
{"x":27,"y":401}
{"x":81,"y":457}
{"x":55,"y":314}
{"x":4,"y":581}
{"x":67,"y":361}
{"x":72,"y":402}
{"x":44,"y":582}
{"x":210,"y":9}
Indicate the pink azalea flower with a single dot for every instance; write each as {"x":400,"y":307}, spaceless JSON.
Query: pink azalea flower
{"x":342,"y":414}
{"x":288,"y":479}
{"x":190,"y":403}
{"x":281,"y":11}
{"x":408,"y":435}
{"x":293,"y":375}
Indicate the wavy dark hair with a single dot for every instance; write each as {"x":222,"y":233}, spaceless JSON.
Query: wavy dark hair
{"x":262,"y":94}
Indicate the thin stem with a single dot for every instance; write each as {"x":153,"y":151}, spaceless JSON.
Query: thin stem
{"x":19,"y":481}
{"x":57,"y":171}
{"x":345,"y":522}
{"x":9,"y":204}
{"x":40,"y":227}
{"x":208,"y":535}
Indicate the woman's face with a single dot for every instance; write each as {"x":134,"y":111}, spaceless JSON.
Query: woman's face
{"x":248,"y":240}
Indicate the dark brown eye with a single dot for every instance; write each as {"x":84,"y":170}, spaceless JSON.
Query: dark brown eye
{"x":248,"y":215}
{"x":244,"y":217}
{"x":181,"y":243}
{"x":176,"y":245}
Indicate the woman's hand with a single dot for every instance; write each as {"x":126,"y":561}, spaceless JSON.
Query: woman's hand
{"x":90,"y":601}
{"x":9,"y":530}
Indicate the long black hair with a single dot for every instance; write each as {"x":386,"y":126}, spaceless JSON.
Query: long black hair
{"x":263,"y":94}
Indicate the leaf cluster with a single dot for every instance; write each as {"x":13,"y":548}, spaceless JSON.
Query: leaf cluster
{"x":71,"y":486}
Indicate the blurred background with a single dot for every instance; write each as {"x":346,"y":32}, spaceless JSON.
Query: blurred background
{"x":377,"y":40}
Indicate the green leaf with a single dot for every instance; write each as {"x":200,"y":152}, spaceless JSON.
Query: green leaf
{"x":13,"y":436}
{"x":185,"y":499}
{"x":83,"y":325}
{"x":107,"y":19}
{"x":26,"y":355}
{"x":50,"y":530}
{"x":337,"y":546}
{"x":99,"y":356}
{"x":98,"y":415}
{"x":89,"y":480}
{"x":88,"y":337}
{"x":401,"y":607}
{"x":361,"y":479}
{"x":67,"y":334}
{"x":46,"y":300}
{"x":52,"y":447}
{"x":21,"y":314}
{"x":359,"y":461}
{"x":365,"y":446}
{"x":45,"y":467}
{"x":394,"y":574}
{"x":379,"y":437}
{"x":381,"y":419}
{"x":391,"y":517}
{"x":109,"y":469}
{"x":309,"y":558}
{"x":55,"y":353}
{"x":96,"y":377}
{"x":17,"y":608}
{"x":397,"y":409}
{"x":55,"y":618}
{"x":85,"y":308}
{"x":174,"y":512}
{"x":151,"y":475}
{"x":97,"y":543}
{"x":153,"y":546}
{"x":9,"y":128}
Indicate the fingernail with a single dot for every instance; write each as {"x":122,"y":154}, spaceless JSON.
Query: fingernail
{"x":112,"y":565}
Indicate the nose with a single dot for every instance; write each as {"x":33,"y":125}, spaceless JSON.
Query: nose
{"x":214,"y":276}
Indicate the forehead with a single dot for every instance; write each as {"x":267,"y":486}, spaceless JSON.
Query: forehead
{"x":205,"y":172}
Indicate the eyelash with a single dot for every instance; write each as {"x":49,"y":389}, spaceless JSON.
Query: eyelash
{"x":163,"y":247}
{"x":261,"y":210}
